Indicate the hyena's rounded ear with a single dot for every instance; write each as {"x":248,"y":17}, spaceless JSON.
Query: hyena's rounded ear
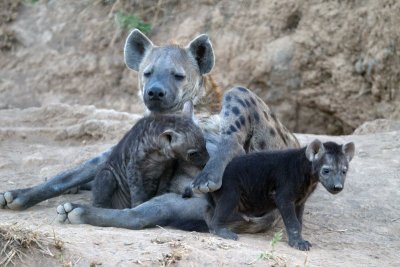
{"x":136,"y":46}
{"x":349,"y":150}
{"x":315,"y":150}
{"x":168,"y":138}
{"x":187,"y":109}
{"x":202,"y":51}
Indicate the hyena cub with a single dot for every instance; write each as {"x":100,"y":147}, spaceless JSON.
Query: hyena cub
{"x":257,"y":183}
{"x":142,"y":164}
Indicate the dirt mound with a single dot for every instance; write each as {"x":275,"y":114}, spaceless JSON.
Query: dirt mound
{"x":65,"y":123}
{"x":354,"y":228}
{"x":378,"y":126}
{"x":325,"y":67}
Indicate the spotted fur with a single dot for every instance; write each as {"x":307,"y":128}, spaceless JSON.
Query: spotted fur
{"x":168,"y":76}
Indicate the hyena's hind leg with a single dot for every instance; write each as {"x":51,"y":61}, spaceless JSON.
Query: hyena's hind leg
{"x":246,"y":124}
{"x":21,"y":199}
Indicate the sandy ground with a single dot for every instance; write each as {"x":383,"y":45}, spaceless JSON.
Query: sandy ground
{"x":358,"y":227}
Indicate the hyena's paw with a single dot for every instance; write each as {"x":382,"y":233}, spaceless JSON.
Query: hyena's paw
{"x":14,"y":200}
{"x":70,"y":213}
{"x":208,"y":180}
{"x":303,"y":245}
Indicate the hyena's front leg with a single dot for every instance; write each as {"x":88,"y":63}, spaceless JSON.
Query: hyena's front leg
{"x":21,"y":199}
{"x":247,"y":124}
{"x":165,"y":210}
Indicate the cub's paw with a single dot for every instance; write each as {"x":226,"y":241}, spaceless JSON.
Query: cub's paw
{"x":226,"y":233}
{"x":70,"y":213}
{"x":303,"y":245}
{"x":188,"y":193}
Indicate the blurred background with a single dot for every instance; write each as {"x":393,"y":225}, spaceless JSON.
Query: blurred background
{"x":324,"y":67}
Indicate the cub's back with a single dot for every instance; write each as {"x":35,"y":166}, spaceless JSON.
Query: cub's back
{"x":263,"y":167}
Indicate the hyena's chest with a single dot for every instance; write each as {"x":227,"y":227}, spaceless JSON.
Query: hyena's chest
{"x":155,"y":172}
{"x":305,"y":191}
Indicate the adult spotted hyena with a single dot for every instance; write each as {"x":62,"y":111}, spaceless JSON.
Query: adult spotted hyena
{"x":170,"y":75}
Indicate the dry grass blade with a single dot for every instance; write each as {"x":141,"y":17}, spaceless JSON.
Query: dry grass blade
{"x":16,"y":241}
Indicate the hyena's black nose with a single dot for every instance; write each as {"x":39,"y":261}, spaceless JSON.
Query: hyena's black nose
{"x":156,"y":93}
{"x":337,"y":187}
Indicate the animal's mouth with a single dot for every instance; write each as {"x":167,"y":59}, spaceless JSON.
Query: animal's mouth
{"x":334,"y":191}
{"x":157,"y":105}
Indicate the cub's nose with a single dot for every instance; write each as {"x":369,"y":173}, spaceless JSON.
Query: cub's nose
{"x":156,"y":93}
{"x":337,"y":187}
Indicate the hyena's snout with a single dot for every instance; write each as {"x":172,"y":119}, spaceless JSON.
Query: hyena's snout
{"x":334,"y":185}
{"x":155,"y":93}
{"x":156,"y":98}
{"x":159,"y":96}
{"x":337,"y":187}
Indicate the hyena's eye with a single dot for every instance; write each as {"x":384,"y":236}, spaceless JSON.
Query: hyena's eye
{"x":344,"y":171}
{"x":326,"y":171}
{"x":192,"y":154}
{"x":179,"y":77}
{"x":147,"y":74}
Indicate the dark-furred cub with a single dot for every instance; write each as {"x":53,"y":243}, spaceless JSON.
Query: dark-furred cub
{"x":257,"y":183}
{"x":143,"y":163}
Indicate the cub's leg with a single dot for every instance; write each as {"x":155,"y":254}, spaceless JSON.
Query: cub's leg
{"x":104,"y":187}
{"x":246,"y":124}
{"x":137,"y":184}
{"x":292,"y":224}
{"x":21,"y":199}
{"x":225,"y":204}
{"x":299,"y":214}
{"x":138,"y":196}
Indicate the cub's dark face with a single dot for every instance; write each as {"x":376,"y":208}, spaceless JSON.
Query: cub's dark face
{"x":330,"y":163}
{"x":332,"y":172}
{"x":185,"y":140}
{"x":192,"y":148}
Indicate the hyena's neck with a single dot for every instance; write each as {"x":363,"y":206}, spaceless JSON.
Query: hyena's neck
{"x":210,"y":102}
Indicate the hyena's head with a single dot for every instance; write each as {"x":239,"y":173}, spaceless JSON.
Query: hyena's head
{"x":330,"y":163}
{"x":169,"y":75}
{"x":183,"y":139}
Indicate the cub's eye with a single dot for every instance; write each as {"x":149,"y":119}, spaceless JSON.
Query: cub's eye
{"x":326,"y":171}
{"x":344,"y":171}
{"x":192,"y":154}
{"x":179,"y":77}
{"x":147,"y":74}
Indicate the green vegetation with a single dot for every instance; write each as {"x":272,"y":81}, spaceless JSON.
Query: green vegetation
{"x":270,"y":255}
{"x":131,"y":21}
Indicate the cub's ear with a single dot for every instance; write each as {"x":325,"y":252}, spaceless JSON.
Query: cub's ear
{"x":187,"y":109}
{"x":201,"y":49}
{"x":349,"y":150}
{"x":168,"y":138}
{"x":136,"y":46}
{"x":315,"y":150}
